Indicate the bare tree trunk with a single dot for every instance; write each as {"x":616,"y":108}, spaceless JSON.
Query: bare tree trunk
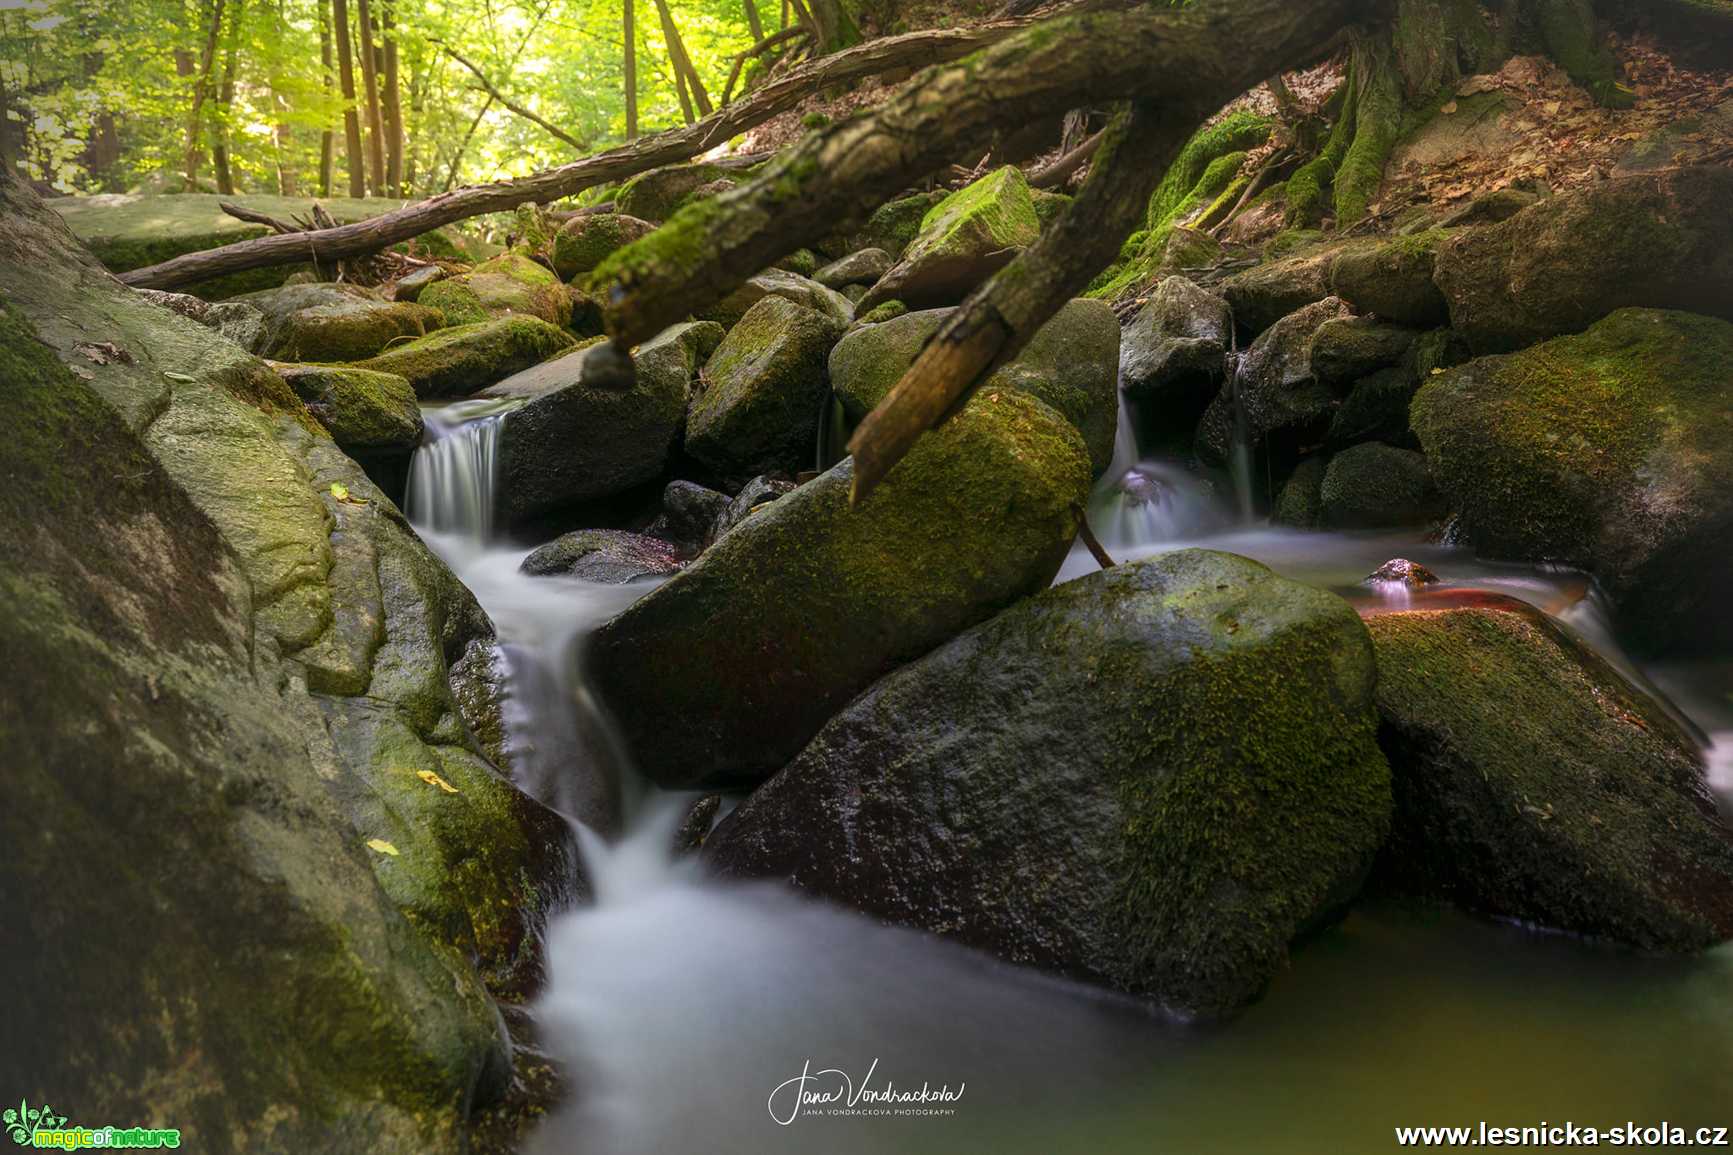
{"x":8,"y":154}
{"x":201,"y":86}
{"x":836,"y":29}
{"x":631,"y":70}
{"x":393,"y":104}
{"x":226,"y":102}
{"x":326,"y":142}
{"x":752,"y":21}
{"x":683,"y":63}
{"x":417,"y":101}
{"x":351,"y":118}
{"x":370,"y":86}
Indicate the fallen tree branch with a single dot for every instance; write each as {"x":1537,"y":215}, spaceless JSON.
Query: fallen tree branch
{"x":1208,"y":53}
{"x":677,"y":144}
{"x":1057,"y":173}
{"x":1090,"y":541}
{"x":487,"y":86}
{"x":256,"y":218}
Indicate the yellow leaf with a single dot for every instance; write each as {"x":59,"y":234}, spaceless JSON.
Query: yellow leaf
{"x":382,"y":846}
{"x":339,"y":491}
{"x":433,"y":779}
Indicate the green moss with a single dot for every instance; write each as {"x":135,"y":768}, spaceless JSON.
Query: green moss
{"x":465,"y":358}
{"x":1236,"y":132}
{"x":363,"y":410}
{"x":585,"y":241}
{"x":1572,"y":37}
{"x":512,"y":283}
{"x":456,"y":301}
{"x":889,"y":310}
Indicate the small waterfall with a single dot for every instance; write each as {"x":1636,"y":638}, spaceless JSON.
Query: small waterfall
{"x":454,"y":473}
{"x":1240,"y":449}
{"x":1143,"y":501}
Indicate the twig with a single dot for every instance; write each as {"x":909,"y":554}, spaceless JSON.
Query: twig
{"x":487,"y":87}
{"x":1096,"y":549}
{"x":257,"y":218}
{"x":1057,"y":173}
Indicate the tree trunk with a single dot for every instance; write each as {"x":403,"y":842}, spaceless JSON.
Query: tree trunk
{"x":890,"y":54}
{"x":370,"y":87}
{"x":357,"y":165}
{"x":326,"y":142}
{"x":393,"y":104}
{"x":201,"y":86}
{"x":225,"y":103}
{"x":631,"y":71}
{"x":417,"y":101}
{"x":8,"y":153}
{"x":752,"y":21}
{"x":836,"y":29}
{"x":683,"y":68}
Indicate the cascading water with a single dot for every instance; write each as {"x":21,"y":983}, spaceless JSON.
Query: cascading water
{"x":1141,"y":501}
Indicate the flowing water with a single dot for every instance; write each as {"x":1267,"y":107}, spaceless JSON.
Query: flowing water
{"x":691,"y":1013}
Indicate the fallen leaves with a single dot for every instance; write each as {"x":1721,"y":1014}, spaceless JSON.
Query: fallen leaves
{"x":433,"y":779}
{"x":341,"y":493}
{"x":382,"y":846}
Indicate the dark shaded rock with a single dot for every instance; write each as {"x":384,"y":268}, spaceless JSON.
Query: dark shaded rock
{"x":1373,"y":486}
{"x":723,"y":673}
{"x":328,"y":322}
{"x":1275,"y":389}
{"x":695,"y":827}
{"x":1393,"y":279}
{"x":1663,"y":240}
{"x":1612,"y":451}
{"x":689,"y":515}
{"x":1533,"y":782}
{"x":763,"y":389}
{"x":1348,"y":348}
{"x":1376,"y":409}
{"x":586,"y":240}
{"x":1263,"y":295}
{"x":465,"y":359}
{"x":363,"y":410}
{"x":609,"y":556}
{"x":1297,"y":501}
{"x":1174,"y":350}
{"x":858,"y":268}
{"x":1051,"y":785}
{"x":753,"y":496}
{"x":893,"y":224}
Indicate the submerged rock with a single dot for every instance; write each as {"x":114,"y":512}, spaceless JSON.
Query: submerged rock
{"x":586,"y":240}
{"x":1612,"y":451}
{"x":363,"y":410}
{"x":327,"y":322}
{"x":964,"y":239}
{"x":1402,"y":572}
{"x":1153,"y":777}
{"x":1533,"y":782}
{"x":609,"y":556}
{"x":723,"y":673}
{"x":1662,"y":239}
{"x":465,"y":359}
{"x":762,"y":391}
{"x":1376,"y":486}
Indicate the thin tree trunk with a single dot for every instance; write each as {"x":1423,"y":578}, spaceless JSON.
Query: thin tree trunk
{"x":225,"y":103}
{"x":631,"y":71}
{"x":357,"y":164}
{"x":8,"y":154}
{"x":752,"y":20}
{"x":201,"y":86}
{"x":393,"y":104}
{"x":370,"y":88}
{"x":682,"y":62}
{"x":457,"y":157}
{"x":493,"y":91}
{"x":417,"y":99}
{"x":836,"y":29}
{"x":327,"y":142}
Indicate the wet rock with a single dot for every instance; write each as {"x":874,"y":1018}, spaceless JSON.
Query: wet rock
{"x":1393,"y":279}
{"x":586,"y":240}
{"x":609,"y":556}
{"x":753,"y":496}
{"x":1071,"y":364}
{"x":858,"y":268}
{"x":1050,"y":785}
{"x":363,"y":410}
{"x":1263,"y":295}
{"x":1297,"y":501}
{"x":695,"y":827}
{"x":1662,"y":240}
{"x":1402,"y":572}
{"x":654,"y":195}
{"x":762,"y":391}
{"x":780,"y":283}
{"x":1173,"y":352}
{"x":1533,"y":782}
{"x":1375,"y":486}
{"x":465,"y":359}
{"x":578,"y":439}
{"x":1611,"y":451}
{"x":689,"y":515}
{"x":724,"y":672}
{"x":1275,"y":388}
{"x":964,"y":239}
{"x":240,"y":322}
{"x":1376,"y":409}
{"x":328,"y":322}
{"x":1346,"y":349}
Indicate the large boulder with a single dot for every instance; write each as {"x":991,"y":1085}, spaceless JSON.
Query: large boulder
{"x":464,"y":359}
{"x":763,"y":389}
{"x":584,"y":241}
{"x":575,"y":440}
{"x":1071,"y":363}
{"x":1348,"y":348}
{"x":654,"y":195}
{"x":723,"y":673}
{"x":964,"y":239}
{"x":1534,"y":783}
{"x":1377,"y":486}
{"x":1611,"y":450}
{"x":327,"y":322}
{"x":506,"y":285}
{"x":858,"y":268}
{"x":1275,"y":390}
{"x":779,"y":283}
{"x":1153,"y":778}
{"x":1392,"y":279}
{"x":230,"y":634}
{"x":364,"y":411}
{"x":1174,"y":349}
{"x":1264,"y":294}
{"x":1661,"y":239}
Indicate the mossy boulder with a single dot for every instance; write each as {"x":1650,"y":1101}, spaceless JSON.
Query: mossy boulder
{"x":1661,"y":240}
{"x":1153,"y":778}
{"x":893,"y":225}
{"x":1611,"y":450}
{"x":727,"y":670}
{"x":1264,"y":294}
{"x":465,"y":359}
{"x":1393,"y":279}
{"x":329,"y":322}
{"x":456,"y":301}
{"x":763,"y":388}
{"x":779,"y":283}
{"x":1376,"y":409}
{"x":1297,"y":501}
{"x":1345,"y":349}
{"x":1174,"y":353}
{"x":608,"y":556}
{"x":1071,"y":364}
{"x":577,"y":440}
{"x":240,"y":322}
{"x":1279,"y":400}
{"x":512,"y":284}
{"x":862,"y":267}
{"x":364,"y":411}
{"x":1376,"y":486}
{"x":585,"y":240}
{"x":1534,"y":783}
{"x":964,"y":239}
{"x":655,"y":195}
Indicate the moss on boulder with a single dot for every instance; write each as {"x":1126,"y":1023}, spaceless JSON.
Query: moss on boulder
{"x":779,"y":283}
{"x":329,"y":322}
{"x":1611,"y":450}
{"x":724,"y":672}
{"x":1345,"y":349}
{"x":1533,"y":782}
{"x":1393,"y":279}
{"x":609,"y":556}
{"x":586,"y":240}
{"x":655,"y":195}
{"x":1377,"y":486}
{"x":512,"y":284}
{"x":1153,"y":778}
{"x":464,"y":359}
{"x":964,"y":239}
{"x":363,"y":410}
